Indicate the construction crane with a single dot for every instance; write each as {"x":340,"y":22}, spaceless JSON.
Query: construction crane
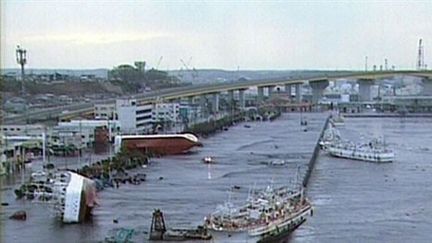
{"x":159,"y":62}
{"x":180,"y":73}
{"x":193,"y":72}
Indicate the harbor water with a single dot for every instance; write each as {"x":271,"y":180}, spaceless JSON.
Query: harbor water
{"x":357,"y":201}
{"x":353,"y":201}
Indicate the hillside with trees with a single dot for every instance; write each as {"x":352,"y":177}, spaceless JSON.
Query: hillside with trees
{"x":138,"y":78}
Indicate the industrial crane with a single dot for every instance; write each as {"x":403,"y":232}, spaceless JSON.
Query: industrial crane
{"x":193,"y":71}
{"x":159,"y":62}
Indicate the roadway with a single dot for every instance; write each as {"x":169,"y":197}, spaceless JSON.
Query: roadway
{"x":202,"y":89}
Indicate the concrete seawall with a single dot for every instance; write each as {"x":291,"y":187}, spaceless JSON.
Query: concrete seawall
{"x":386,"y":115}
{"x":315,"y":154}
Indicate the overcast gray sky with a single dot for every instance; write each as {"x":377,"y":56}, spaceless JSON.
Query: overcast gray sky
{"x":217,"y":34}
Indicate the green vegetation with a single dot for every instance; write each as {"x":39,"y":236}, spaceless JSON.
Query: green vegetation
{"x":123,"y":160}
{"x":136,"y":77}
{"x":269,"y":113}
{"x":210,"y":127}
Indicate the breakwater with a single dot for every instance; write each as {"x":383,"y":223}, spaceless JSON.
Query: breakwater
{"x":313,"y":159}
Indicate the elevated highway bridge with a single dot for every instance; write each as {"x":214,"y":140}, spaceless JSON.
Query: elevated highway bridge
{"x":318,"y":82}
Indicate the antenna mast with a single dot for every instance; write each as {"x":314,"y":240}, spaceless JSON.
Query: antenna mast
{"x":420,"y":56}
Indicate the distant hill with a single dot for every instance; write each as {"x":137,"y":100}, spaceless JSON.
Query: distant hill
{"x":101,"y":72}
{"x":197,"y":76}
{"x":217,"y":75}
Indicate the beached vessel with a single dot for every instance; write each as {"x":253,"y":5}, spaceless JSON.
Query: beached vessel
{"x":160,"y":144}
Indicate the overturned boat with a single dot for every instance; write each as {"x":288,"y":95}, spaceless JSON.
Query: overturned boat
{"x":71,"y":196}
{"x":160,"y":144}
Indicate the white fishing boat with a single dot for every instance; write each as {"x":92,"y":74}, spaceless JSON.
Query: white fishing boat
{"x":374,"y":151}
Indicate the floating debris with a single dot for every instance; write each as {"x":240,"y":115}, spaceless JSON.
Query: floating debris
{"x":277,"y":162}
{"x":120,"y":235}
{"x":158,"y":231}
{"x":19,"y":215}
{"x":236,"y":188}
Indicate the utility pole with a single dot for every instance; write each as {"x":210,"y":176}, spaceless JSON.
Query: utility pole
{"x":80,"y":144}
{"x":21,"y":56}
{"x":109,"y":139}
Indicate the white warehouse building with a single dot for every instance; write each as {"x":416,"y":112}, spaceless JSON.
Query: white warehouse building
{"x":134,"y":118}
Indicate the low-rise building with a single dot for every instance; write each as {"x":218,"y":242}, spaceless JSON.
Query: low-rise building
{"x":22,"y":130}
{"x":105,"y":111}
{"x":166,"y":112}
{"x":134,"y":117}
{"x":81,"y":133}
{"x":189,"y":113}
